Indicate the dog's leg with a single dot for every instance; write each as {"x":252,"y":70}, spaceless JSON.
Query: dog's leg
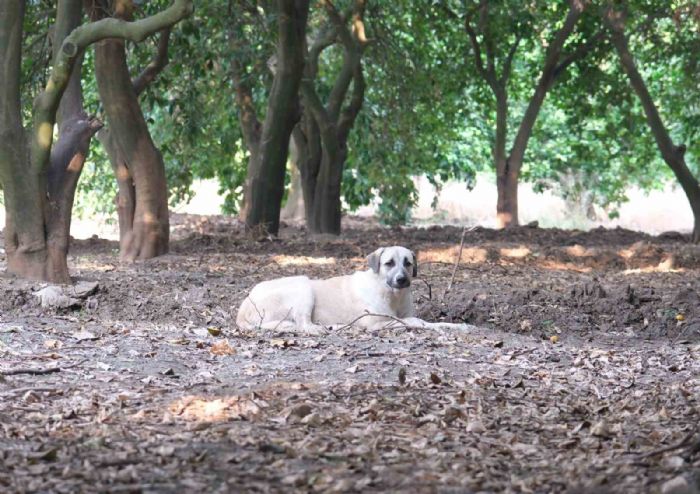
{"x":415,"y":322}
{"x":297,"y":320}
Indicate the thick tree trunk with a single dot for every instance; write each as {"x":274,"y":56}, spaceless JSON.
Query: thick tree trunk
{"x":75,"y":130}
{"x":507,"y":204}
{"x":126,"y":192}
{"x":307,"y":143}
{"x":506,"y":178}
{"x":38,"y":177}
{"x":673,"y":155}
{"x":325,"y":130}
{"x":25,"y":240}
{"x":143,"y":209}
{"x":39,"y":206}
{"x":264,"y":186}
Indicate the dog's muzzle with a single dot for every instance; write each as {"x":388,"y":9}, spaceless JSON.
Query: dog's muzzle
{"x":400,"y":281}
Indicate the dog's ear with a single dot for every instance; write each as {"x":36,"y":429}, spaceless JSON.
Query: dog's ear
{"x":374,"y":260}
{"x":415,"y":264}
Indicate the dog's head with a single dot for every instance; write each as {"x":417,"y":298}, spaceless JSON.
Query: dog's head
{"x":395,"y":264}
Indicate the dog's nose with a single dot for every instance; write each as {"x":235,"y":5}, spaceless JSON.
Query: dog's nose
{"x":401,"y":280}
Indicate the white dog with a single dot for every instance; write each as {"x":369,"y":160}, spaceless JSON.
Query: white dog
{"x":377,"y":297}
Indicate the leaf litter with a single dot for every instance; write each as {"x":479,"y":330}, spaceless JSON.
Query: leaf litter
{"x":582,"y":377}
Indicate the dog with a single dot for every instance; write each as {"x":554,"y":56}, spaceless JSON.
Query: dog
{"x":375,"y":298}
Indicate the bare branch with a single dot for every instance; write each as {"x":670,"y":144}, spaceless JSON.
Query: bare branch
{"x":326,"y":38}
{"x":505,"y":71}
{"x":156,"y":66}
{"x":478,"y":57}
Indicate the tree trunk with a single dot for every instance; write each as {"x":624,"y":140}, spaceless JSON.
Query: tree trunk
{"x":75,"y":131}
{"x":294,"y":207}
{"x":307,"y":142}
{"x":507,"y":204}
{"x":39,"y":206}
{"x":326,"y":214}
{"x":506,"y":180}
{"x":143,"y":209}
{"x":39,"y":178}
{"x":267,"y":168}
{"x":25,"y":240}
{"x":673,"y":155}
{"x":325,"y":130}
{"x":126,"y":192}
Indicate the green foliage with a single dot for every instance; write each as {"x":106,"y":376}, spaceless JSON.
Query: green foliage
{"x":426,"y":110}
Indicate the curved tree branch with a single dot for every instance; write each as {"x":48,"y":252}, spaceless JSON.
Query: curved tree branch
{"x":46,"y":103}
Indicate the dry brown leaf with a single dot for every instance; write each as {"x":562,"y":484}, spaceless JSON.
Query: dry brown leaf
{"x":222,"y":348}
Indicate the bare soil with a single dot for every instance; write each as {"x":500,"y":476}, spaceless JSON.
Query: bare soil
{"x":582,"y":376}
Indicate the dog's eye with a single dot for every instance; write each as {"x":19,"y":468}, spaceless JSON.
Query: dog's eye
{"x":406,"y":262}
{"x":389,"y":263}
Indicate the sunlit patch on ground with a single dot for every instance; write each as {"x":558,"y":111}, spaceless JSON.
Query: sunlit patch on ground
{"x":515,"y":252}
{"x":470,"y":255}
{"x":283,"y":260}
{"x":201,"y":409}
{"x":579,"y":251}
{"x":564,"y":266}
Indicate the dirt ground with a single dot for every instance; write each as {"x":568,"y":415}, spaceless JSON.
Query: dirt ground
{"x":582,"y":376}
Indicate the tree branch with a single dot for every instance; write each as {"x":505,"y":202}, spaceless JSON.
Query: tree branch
{"x":248,"y":117}
{"x":315,"y":105}
{"x":46,"y":103}
{"x":505,"y":73}
{"x":349,"y":114}
{"x":350,"y":60}
{"x":579,"y":53}
{"x":156,"y":66}
{"x":517,"y":152}
{"x":325,"y":39}
{"x":478,"y":57}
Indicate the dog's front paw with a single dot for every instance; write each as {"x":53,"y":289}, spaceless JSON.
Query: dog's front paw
{"x":313,"y":330}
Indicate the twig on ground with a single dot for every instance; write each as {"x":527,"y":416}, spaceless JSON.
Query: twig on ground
{"x":26,"y":389}
{"x":37,"y":371}
{"x":459,"y":258}
{"x":683,"y":443}
{"x":281,"y":320}
{"x":430,"y":288}
{"x":370,"y":314}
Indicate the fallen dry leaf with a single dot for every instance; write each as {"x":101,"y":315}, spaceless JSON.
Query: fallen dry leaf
{"x":222,"y":348}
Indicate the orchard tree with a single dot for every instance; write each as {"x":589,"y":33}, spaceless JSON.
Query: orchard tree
{"x":267,"y":140}
{"x":32,"y":178}
{"x":321,"y":138}
{"x":496,"y":32}
{"x":673,"y":154}
{"x":142,"y":202}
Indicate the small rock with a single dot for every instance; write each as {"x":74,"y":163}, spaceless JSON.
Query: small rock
{"x":678,"y":485}
{"x":53,"y":296}
{"x":600,"y":429}
{"x":476,"y":426}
